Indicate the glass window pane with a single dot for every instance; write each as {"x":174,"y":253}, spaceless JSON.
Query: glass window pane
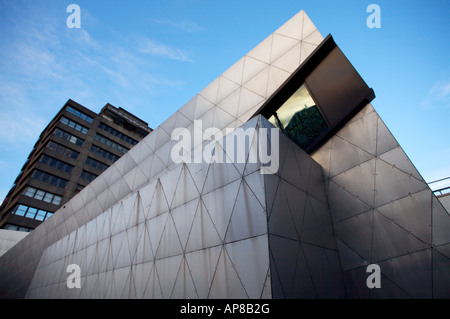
{"x":57,"y":200}
{"x":299,"y":118}
{"x":30,"y":191}
{"x":40,"y":215}
{"x":54,"y":180}
{"x":39,"y":195}
{"x":48,"y":197}
{"x":21,"y":209}
{"x":62,"y":183}
{"x":31,"y":213}
{"x":12,"y":227}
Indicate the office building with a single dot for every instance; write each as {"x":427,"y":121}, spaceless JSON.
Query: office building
{"x":75,"y":147}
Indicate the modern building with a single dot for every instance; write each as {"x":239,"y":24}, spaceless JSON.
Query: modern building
{"x":310,"y":196}
{"x":441,"y":188}
{"x":75,"y":147}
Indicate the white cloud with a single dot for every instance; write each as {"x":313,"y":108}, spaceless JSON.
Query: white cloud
{"x":187,"y":26}
{"x":439,"y":95}
{"x":158,"y":49}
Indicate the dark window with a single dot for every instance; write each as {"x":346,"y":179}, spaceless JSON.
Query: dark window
{"x":81,"y":115}
{"x":62,"y":150}
{"x":53,"y":162}
{"x":114,"y":132}
{"x":74,"y":125}
{"x":48,"y":178}
{"x":96,"y":164}
{"x":104,"y":153}
{"x":68,"y":137}
{"x":110,"y":143}
{"x":88,"y":176}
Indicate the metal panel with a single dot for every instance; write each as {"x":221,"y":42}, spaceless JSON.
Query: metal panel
{"x":356,"y":232}
{"x":283,"y":267}
{"x":413,"y":213}
{"x":441,"y":275}
{"x":348,"y":257}
{"x":203,"y":233}
{"x":184,"y":286}
{"x":345,"y":155}
{"x":323,"y":220}
{"x":226,"y":281}
{"x":361,"y":133}
{"x":385,"y":140}
{"x":250,"y":258}
{"x":398,"y":158}
{"x":441,"y":223}
{"x":411,"y":272}
{"x":167,"y":269}
{"x":392,"y":184}
{"x":280,"y":220}
{"x":321,"y":272}
{"x":183,"y":217}
{"x":202,"y":264}
{"x":359,"y":181}
{"x":248,"y":218}
{"x":220,"y":210}
{"x":343,"y":204}
{"x":390,"y":240}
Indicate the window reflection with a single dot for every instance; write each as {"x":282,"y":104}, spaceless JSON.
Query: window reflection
{"x":299,"y":118}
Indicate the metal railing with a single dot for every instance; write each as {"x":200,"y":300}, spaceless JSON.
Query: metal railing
{"x":442,"y":186}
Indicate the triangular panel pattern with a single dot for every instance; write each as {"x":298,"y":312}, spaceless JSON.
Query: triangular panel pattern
{"x":383,"y":211}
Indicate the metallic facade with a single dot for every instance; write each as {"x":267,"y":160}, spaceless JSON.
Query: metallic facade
{"x":151,"y":228}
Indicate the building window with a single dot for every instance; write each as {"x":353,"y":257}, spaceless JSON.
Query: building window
{"x":81,"y":115}
{"x":53,"y":162}
{"x":18,"y":228}
{"x":104,"y":153}
{"x":114,"y":132}
{"x":42,"y":195}
{"x":68,"y":137}
{"x":48,"y":178}
{"x":31,"y":212}
{"x":79,"y":188}
{"x":96,"y":164}
{"x":110,"y":143}
{"x":300,"y":119}
{"x":62,"y":150}
{"x":74,"y":125}
{"x":88,"y":176}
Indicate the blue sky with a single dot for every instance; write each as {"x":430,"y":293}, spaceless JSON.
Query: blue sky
{"x":151,"y":57}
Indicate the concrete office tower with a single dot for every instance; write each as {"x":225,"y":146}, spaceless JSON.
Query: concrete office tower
{"x":75,"y":147}
{"x":340,"y":196}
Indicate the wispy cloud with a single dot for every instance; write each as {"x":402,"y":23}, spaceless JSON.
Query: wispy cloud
{"x":158,"y":49}
{"x":187,"y":26}
{"x":439,"y":95}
